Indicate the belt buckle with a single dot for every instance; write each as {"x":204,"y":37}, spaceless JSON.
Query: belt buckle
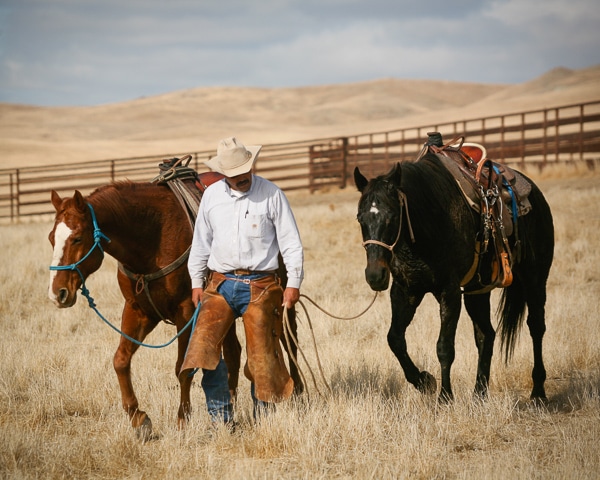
{"x":245,"y":280}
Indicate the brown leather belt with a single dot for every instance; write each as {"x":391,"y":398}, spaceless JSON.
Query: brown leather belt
{"x":269,"y":276}
{"x":241,"y":271}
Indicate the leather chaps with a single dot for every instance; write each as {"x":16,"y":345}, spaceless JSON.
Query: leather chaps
{"x":263,"y":327}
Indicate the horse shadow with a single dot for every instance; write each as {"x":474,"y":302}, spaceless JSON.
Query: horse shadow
{"x":351,"y":381}
{"x":569,"y":394}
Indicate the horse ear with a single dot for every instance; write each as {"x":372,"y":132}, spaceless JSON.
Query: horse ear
{"x":55,"y":199}
{"x":79,"y":201}
{"x":395,"y":175}
{"x":359,"y":180}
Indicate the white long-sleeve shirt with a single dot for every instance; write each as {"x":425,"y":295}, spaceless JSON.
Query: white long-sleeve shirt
{"x":245,"y":230}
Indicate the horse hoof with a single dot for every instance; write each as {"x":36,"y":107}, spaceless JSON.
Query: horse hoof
{"x":427,"y":383}
{"x":182,"y":423}
{"x":298,"y":389}
{"x":480,"y":395}
{"x":144,"y":431}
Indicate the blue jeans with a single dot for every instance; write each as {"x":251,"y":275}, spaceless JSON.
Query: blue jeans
{"x":216,"y":390}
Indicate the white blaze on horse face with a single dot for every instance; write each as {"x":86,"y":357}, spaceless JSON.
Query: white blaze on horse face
{"x":61,"y":234}
{"x":374,"y":208}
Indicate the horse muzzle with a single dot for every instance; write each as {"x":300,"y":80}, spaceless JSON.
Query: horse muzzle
{"x":63,"y":295}
{"x":377,"y":276}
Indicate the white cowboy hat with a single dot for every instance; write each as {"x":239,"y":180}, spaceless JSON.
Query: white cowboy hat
{"x":233,"y":158}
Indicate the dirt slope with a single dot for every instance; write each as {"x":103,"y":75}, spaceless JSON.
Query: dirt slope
{"x":195,"y":119}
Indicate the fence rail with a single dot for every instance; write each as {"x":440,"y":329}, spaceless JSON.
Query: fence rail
{"x":533,"y":138}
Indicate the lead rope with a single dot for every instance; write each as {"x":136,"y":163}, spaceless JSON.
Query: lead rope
{"x":192,"y":322}
{"x":287,"y":331}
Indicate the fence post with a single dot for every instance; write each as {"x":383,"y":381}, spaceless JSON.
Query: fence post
{"x":545,"y":127}
{"x":502,"y":136}
{"x":344,"y":162}
{"x":581,"y":133}
{"x":13,"y":209}
{"x":522,"y":141}
{"x":18,"y":192}
{"x":556,"y":139}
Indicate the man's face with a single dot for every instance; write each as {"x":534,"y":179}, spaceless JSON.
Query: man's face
{"x":241,"y":183}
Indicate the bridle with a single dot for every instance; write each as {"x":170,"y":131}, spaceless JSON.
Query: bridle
{"x":98,"y":237}
{"x":403,"y":206}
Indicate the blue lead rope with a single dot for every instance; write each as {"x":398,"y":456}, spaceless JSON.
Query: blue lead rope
{"x":98,"y":237}
{"x":192,"y":322}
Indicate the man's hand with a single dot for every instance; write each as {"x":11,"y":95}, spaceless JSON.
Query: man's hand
{"x":290,"y":297}
{"x":197,"y":295}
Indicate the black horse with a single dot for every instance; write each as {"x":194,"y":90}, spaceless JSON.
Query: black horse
{"x":417,"y":225}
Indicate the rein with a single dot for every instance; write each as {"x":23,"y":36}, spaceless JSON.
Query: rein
{"x":403,"y":206}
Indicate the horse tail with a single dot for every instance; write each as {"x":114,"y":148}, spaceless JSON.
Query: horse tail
{"x":511,"y":310}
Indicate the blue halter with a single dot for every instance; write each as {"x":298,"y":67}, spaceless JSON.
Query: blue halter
{"x":98,"y":237}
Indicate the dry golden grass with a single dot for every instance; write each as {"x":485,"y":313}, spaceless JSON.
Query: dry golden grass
{"x":60,"y":413}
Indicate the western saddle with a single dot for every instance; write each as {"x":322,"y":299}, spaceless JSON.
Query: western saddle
{"x":496,"y":192}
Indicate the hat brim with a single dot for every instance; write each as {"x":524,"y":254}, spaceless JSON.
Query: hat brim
{"x":215,"y":163}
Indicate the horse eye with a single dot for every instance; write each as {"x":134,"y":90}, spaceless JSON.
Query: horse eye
{"x":76,"y":240}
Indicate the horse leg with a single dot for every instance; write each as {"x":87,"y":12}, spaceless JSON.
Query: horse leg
{"x":404,"y":307}
{"x":292,"y":351}
{"x":136,"y":325}
{"x":450,"y":303}
{"x":537,"y":327}
{"x":478,"y":308}
{"x":232,"y":351}
{"x":515,"y":299}
{"x":184,"y":412}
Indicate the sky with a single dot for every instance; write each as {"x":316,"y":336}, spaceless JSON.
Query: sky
{"x":93,"y":52}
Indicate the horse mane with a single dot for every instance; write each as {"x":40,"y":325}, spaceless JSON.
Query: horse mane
{"x":428,"y":180}
{"x":431,"y":191}
{"x":116,"y":198}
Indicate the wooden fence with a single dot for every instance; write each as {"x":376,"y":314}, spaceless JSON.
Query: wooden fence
{"x":534,"y":138}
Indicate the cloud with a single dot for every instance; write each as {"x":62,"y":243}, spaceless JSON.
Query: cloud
{"x":73,"y":52}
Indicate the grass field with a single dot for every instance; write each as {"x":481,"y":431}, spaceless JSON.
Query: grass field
{"x":60,"y":412}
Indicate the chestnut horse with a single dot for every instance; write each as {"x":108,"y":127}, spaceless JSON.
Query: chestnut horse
{"x":417,"y":226}
{"x":145,"y":228}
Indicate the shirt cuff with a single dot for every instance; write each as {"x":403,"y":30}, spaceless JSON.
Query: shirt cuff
{"x":294,"y":282}
{"x":198,"y":282}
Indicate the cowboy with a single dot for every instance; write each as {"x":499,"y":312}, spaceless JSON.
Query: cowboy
{"x":244,"y":222}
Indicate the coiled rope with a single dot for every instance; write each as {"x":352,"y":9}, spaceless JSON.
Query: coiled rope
{"x":288,"y":334}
